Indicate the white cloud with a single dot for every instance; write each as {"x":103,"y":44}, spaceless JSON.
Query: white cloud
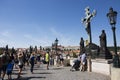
{"x":54,"y":32}
{"x":44,"y":41}
{"x":6,"y":38}
{"x":27,"y":36}
{"x":6,"y":33}
{"x":64,"y":40}
{"x":4,"y":42}
{"x":25,"y":40}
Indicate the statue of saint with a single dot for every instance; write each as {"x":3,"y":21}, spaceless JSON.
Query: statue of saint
{"x":81,"y":44}
{"x":103,"y":41}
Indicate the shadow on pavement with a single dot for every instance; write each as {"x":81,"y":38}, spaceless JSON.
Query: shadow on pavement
{"x":28,"y":78}
{"x":17,"y":73}
{"x":57,"y":68}
{"x":43,"y":73}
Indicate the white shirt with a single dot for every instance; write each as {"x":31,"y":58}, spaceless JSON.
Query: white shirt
{"x":83,"y":57}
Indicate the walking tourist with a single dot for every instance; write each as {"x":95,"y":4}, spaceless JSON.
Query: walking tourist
{"x":5,"y":59}
{"x":38,"y":59}
{"x":61,"y":60}
{"x":15,"y":61}
{"x":32,"y":61}
{"x":20,"y":63}
{"x":47,"y":59}
{"x":10,"y":69}
{"x":57,"y":60}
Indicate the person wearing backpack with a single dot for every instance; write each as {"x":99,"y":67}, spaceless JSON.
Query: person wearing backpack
{"x":5,"y":59}
{"x":9,"y":69}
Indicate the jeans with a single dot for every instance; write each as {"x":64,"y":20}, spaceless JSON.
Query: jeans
{"x":32,"y":66}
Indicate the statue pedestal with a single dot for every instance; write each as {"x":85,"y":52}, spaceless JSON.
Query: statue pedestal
{"x":101,"y":66}
{"x":102,"y":55}
{"x":105,"y":54}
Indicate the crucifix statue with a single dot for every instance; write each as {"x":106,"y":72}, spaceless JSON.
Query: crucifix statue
{"x":87,"y":21}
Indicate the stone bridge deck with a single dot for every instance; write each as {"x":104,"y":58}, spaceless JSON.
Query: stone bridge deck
{"x":57,"y":73}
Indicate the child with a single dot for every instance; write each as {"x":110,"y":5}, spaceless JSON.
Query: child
{"x":9,"y":69}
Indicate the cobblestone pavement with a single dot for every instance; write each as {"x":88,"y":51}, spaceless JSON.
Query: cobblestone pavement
{"x":57,"y":73}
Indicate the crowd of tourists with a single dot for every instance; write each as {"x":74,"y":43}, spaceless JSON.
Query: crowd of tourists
{"x":21,"y":59}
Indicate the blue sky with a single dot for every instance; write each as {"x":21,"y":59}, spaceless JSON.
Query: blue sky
{"x":40,"y":22}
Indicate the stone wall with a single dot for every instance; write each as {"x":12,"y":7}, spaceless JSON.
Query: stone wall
{"x":115,"y":73}
{"x":101,"y":66}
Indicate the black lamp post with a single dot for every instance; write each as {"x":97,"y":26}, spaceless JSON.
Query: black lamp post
{"x":112,"y":15}
{"x":56,"y":44}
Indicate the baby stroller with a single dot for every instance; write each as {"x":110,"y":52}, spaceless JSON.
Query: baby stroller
{"x":76,"y":65}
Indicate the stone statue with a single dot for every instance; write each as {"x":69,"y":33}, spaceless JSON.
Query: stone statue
{"x":81,"y":44}
{"x":103,"y":41}
{"x":6,"y":49}
{"x":88,"y":18}
{"x":104,"y":52}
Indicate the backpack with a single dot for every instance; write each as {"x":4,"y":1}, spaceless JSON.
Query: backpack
{"x":9,"y":67}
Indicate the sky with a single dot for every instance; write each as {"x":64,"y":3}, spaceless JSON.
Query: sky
{"x":40,"y":22}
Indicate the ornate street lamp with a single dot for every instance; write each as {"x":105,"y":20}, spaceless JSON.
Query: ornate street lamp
{"x":112,"y":15}
{"x":56,"y":45}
